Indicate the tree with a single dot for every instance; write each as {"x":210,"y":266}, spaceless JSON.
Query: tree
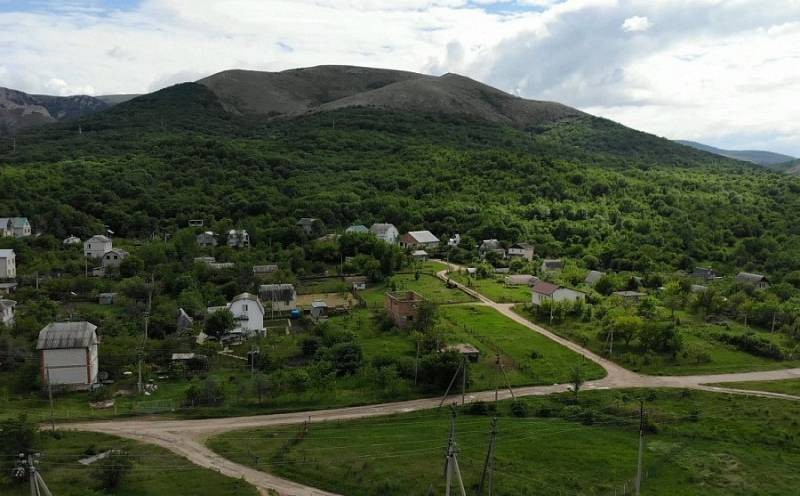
{"x":576,"y":379}
{"x":347,"y":357}
{"x":17,"y":435}
{"x":604,"y":286}
{"x":260,"y":386}
{"x":220,"y":323}
{"x":674,"y":298}
{"x":113,"y":469}
{"x":427,"y":316}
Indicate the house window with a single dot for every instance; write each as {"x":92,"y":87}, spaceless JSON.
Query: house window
{"x":244,"y":307}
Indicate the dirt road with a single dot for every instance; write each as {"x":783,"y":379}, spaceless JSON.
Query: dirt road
{"x":187,"y":437}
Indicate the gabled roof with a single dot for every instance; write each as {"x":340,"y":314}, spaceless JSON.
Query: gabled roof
{"x":380,"y":229}
{"x":423,"y":236}
{"x":490,"y":244}
{"x":248,"y":297}
{"x":357,"y":228}
{"x":99,"y":238}
{"x":750,"y":277}
{"x":277,"y":292}
{"x":593,"y":276}
{"x":19,"y":221}
{"x":545,"y":288}
{"x":119,"y":251}
{"x":419,"y":253}
{"x":521,"y":279}
{"x":61,"y":335}
{"x":523,"y":246}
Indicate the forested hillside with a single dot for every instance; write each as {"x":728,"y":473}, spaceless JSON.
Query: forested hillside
{"x":581,"y":187}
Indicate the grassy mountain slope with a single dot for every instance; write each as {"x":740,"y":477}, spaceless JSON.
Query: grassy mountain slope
{"x":767,"y":159}
{"x":580,"y":187}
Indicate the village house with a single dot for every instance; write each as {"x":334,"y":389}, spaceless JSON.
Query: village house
{"x":521,"y":280}
{"x":418,"y":240}
{"x":220,"y":265}
{"x":403,"y":307}
{"x":238,"y":238}
{"x":260,"y":271}
{"x":206,"y":239}
{"x":68,"y":354}
{"x":629,"y":296}
{"x":357,"y":229}
{"x":278,"y":297}
{"x":8,"y":264}
{"x":751,"y":279}
{"x":248,"y":314}
{"x":385,"y":232}
{"x":545,"y":291}
{"x":19,"y":227}
{"x":184,"y":321}
{"x":113,"y":258}
{"x":552,"y":265}
{"x":71,"y":240}
{"x":593,"y":276}
{"x":704,"y":273}
{"x":97,"y":246}
{"x":319,"y":309}
{"x":310,"y":225}
{"x":491,"y":246}
{"x":419,"y":255}
{"x":7,"y":312}
{"x":521,"y":250}
{"x":469,"y":352}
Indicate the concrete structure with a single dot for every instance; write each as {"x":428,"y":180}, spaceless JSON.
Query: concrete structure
{"x":238,"y":238}
{"x":593,"y":276}
{"x":206,"y":239}
{"x":491,"y":246}
{"x":71,"y":240}
{"x":7,"y":312}
{"x":8,"y":264}
{"x":278,"y":297}
{"x":521,"y":280}
{"x":97,"y":246}
{"x":552,"y":265}
{"x":468,"y":351}
{"x":403,"y":307}
{"x":521,"y":250}
{"x":418,"y":240}
{"x":68,"y":354}
{"x":19,"y":227}
{"x":113,"y":258}
{"x":545,"y":291}
{"x":756,"y":280}
{"x":385,"y":232}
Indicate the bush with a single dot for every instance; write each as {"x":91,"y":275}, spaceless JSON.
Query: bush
{"x":478,"y":408}
{"x":519,"y":409}
{"x":113,"y":469}
{"x":209,"y":393}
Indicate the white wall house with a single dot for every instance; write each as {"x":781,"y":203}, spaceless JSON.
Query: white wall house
{"x":19,"y":227}
{"x":68,"y":354}
{"x":8,"y":264}
{"x":521,"y":250}
{"x":385,"y":232}
{"x":7,"y":312}
{"x":238,"y":238}
{"x":248,"y":314}
{"x":97,"y":246}
{"x":544,"y":291}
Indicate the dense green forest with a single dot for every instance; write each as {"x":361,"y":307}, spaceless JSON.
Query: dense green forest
{"x":585,"y":188}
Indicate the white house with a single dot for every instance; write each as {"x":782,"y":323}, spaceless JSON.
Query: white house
{"x":206,"y":239}
{"x":19,"y":227}
{"x":7,"y":312}
{"x":278,"y":297}
{"x":97,"y":246}
{"x":113,"y":258}
{"x":521,"y":250}
{"x":491,"y":246}
{"x":248,"y":314}
{"x":386,"y":232}
{"x":544,"y":291}
{"x":68,"y":354}
{"x":419,"y":240}
{"x":238,"y":238}
{"x":71,"y":240}
{"x":8,"y":264}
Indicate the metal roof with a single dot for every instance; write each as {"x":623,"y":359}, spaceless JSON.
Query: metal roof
{"x":423,"y":236}
{"x":98,"y":238}
{"x":545,"y":288}
{"x":593,"y":276}
{"x":380,"y":228}
{"x":750,"y":277}
{"x":60,"y":335}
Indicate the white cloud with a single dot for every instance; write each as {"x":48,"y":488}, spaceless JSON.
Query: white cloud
{"x":719,"y":71}
{"x":636,"y":24}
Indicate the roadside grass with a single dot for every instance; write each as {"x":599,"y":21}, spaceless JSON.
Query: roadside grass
{"x":428,"y":285}
{"x":527,"y":356}
{"x":155,"y":472}
{"x":697,"y":443}
{"x":789,"y":386}
{"x":701,"y":354}
{"x":494,"y":288}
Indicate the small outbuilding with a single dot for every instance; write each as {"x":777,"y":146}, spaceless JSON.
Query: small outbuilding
{"x":468,"y":351}
{"x":106,"y":298}
{"x":206,"y":239}
{"x":68,"y":354}
{"x":403,"y":307}
{"x":757,"y":280}
{"x":593,"y":276}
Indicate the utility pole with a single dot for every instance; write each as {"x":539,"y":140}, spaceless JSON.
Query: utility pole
{"x":453,"y":380}
{"x":464,"y":382}
{"x":452,"y":469}
{"x":50,"y":397}
{"x":508,"y":384}
{"x":488,"y":465}
{"x":611,"y":342}
{"x":38,"y":486}
{"x":641,"y":448}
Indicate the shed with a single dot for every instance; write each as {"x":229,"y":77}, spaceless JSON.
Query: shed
{"x":319,"y":309}
{"x":521,"y":280}
{"x":68,"y":354}
{"x":106,"y":298}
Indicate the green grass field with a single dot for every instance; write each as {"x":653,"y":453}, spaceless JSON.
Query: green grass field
{"x":495,"y":289}
{"x":698,"y":443}
{"x":720,"y":357}
{"x":790,"y":386}
{"x":156,"y":471}
{"x":428,"y":285}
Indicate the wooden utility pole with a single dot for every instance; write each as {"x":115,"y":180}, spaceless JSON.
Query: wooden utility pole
{"x":452,"y":381}
{"x":488,"y":465}
{"x":38,"y":486}
{"x":641,"y":449}
{"x":452,"y":470}
{"x":464,"y":381}
{"x":50,"y":397}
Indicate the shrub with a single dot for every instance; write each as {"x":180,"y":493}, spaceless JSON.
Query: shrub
{"x":519,"y":409}
{"x":113,"y":469}
{"x":478,"y":408}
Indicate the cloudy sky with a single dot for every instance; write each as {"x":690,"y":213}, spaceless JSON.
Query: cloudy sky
{"x":725,"y":72}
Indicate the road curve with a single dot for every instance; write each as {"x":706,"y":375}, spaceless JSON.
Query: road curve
{"x":187,"y":437}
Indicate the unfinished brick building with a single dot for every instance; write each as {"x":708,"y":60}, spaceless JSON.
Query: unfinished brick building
{"x":403,"y":307}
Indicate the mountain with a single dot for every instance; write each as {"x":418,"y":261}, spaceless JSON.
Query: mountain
{"x":325,"y":88}
{"x":19,"y":110}
{"x":767,"y":159}
{"x":116,"y":99}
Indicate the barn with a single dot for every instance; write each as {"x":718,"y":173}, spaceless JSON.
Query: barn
{"x":68,"y":354}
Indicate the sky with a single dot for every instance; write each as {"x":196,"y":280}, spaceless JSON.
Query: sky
{"x":723,"y":72}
